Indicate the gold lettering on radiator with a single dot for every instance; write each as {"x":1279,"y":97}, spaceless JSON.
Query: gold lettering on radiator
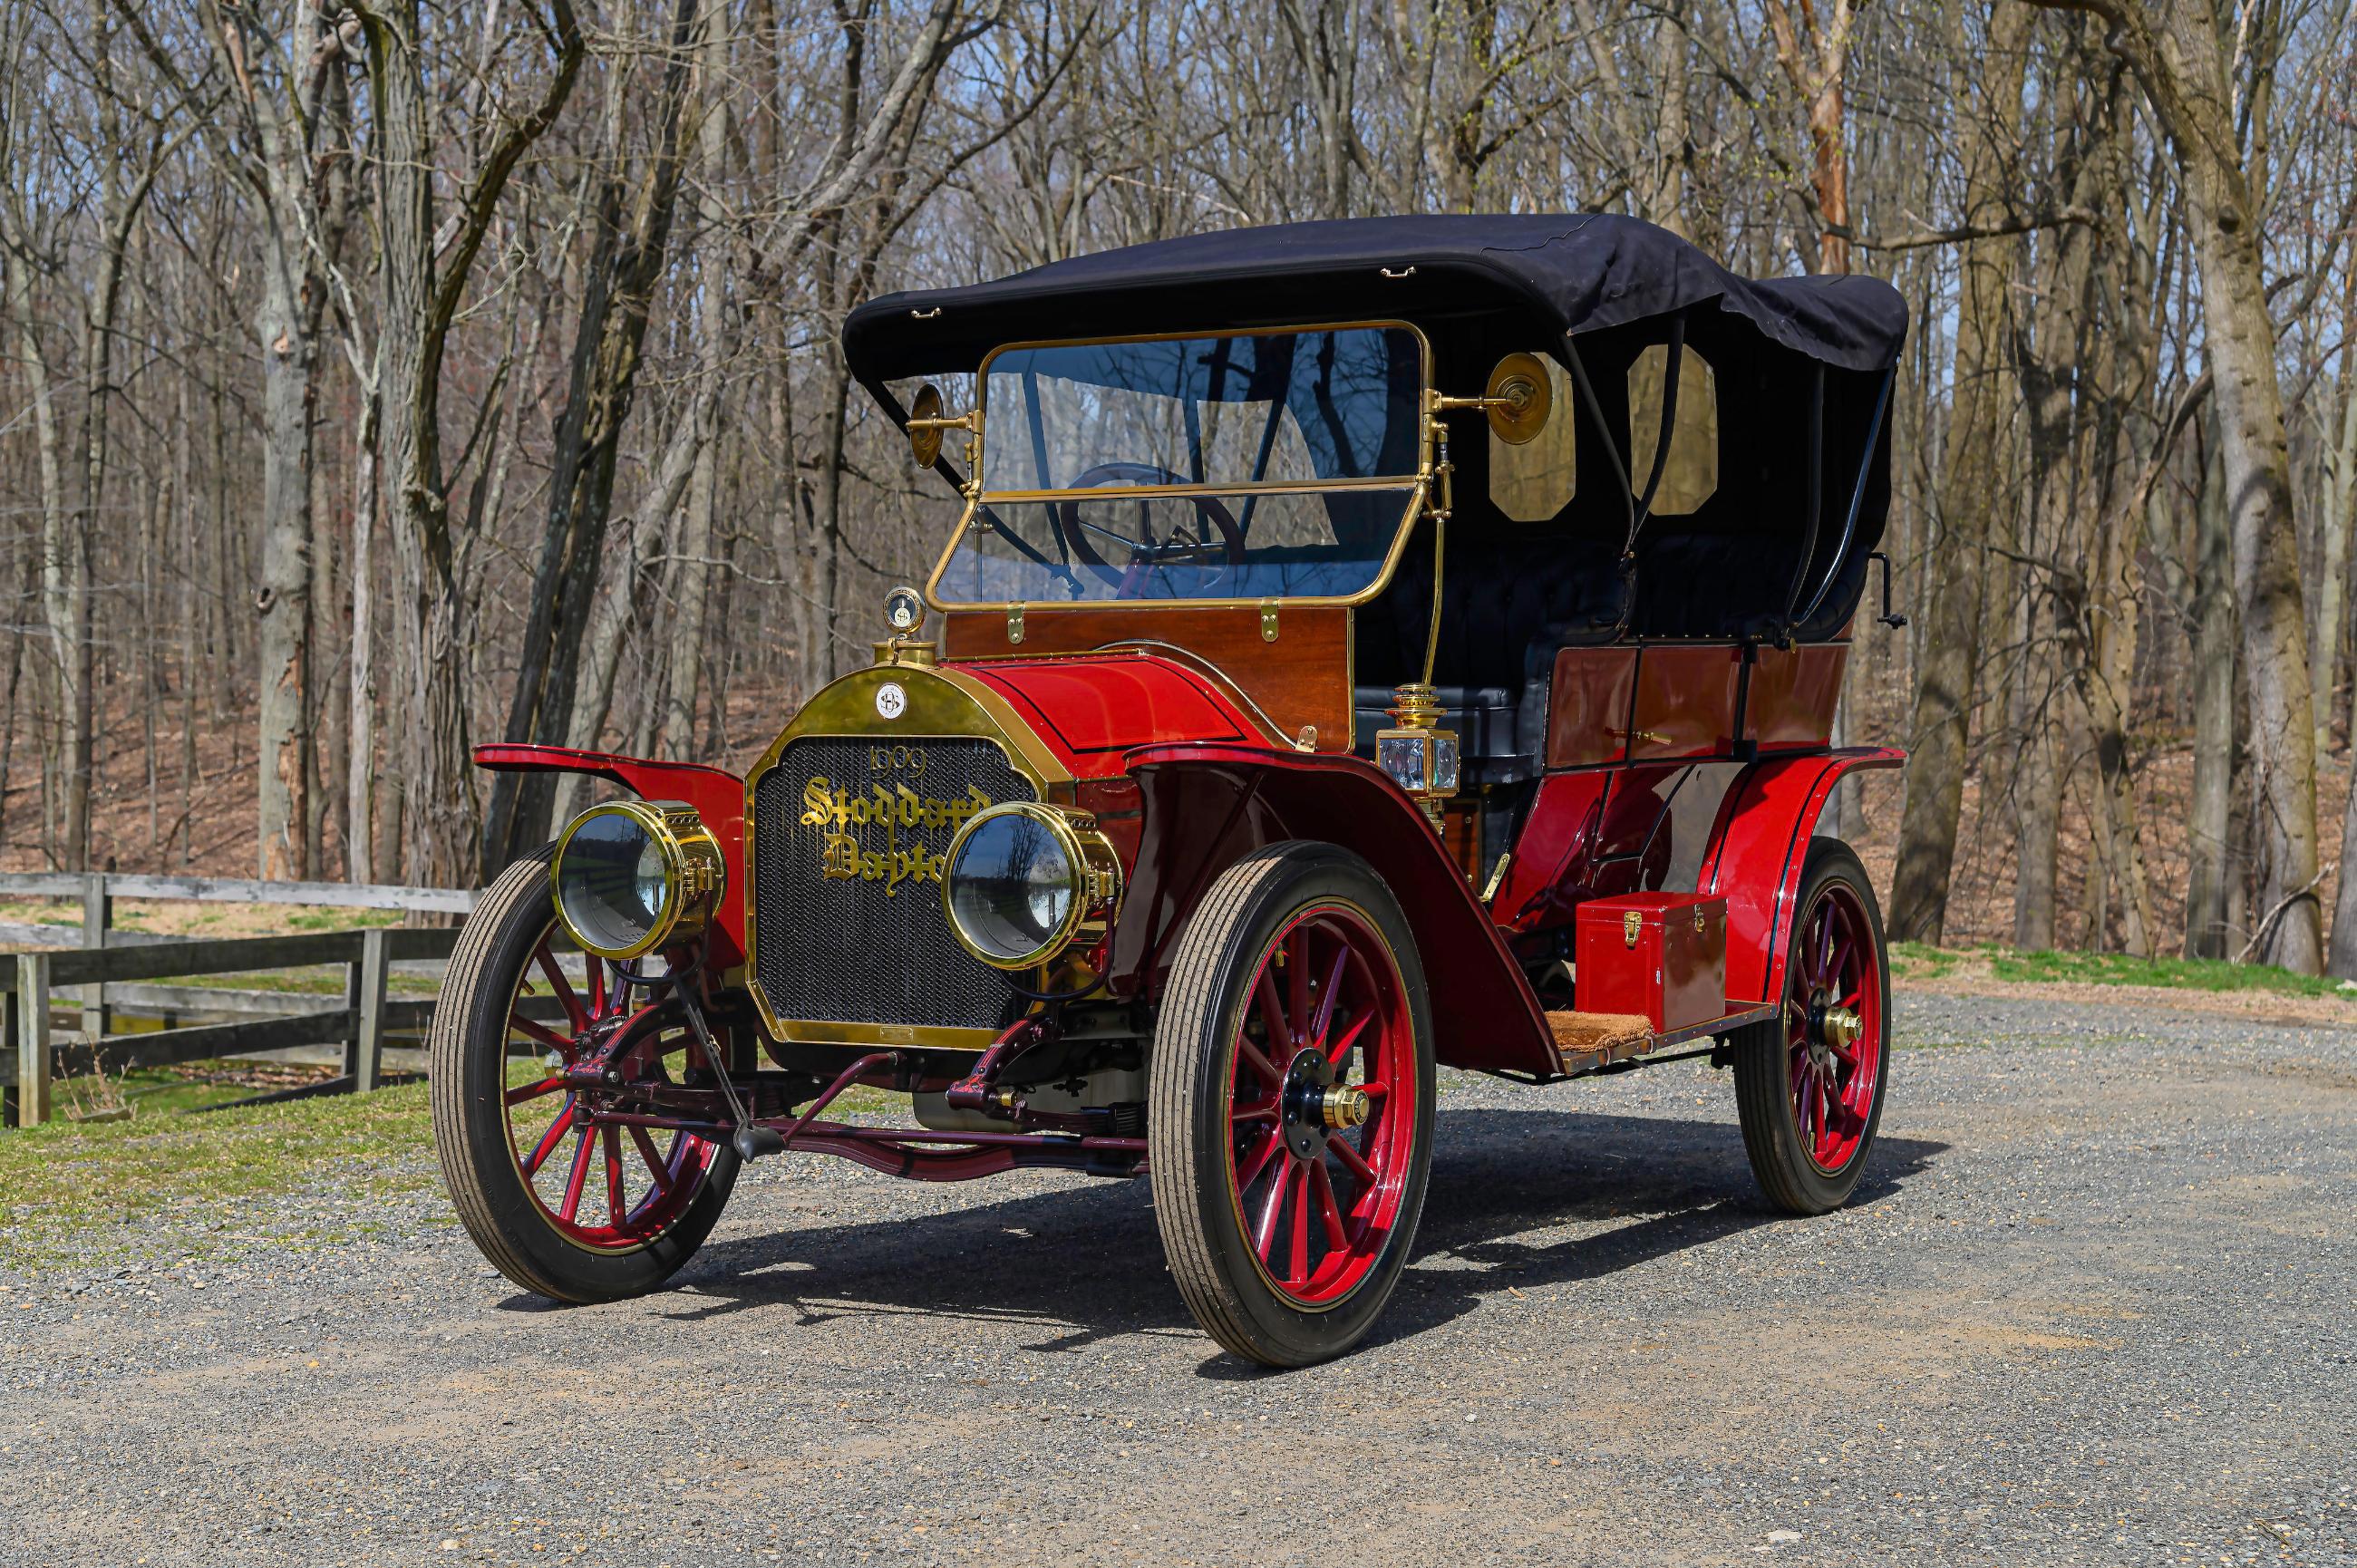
{"x":846,"y":854}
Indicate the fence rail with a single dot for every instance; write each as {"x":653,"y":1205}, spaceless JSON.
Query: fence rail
{"x":83,"y":885}
{"x":30,"y":981}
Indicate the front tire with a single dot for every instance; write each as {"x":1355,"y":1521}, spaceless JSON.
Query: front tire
{"x":565,"y":1207}
{"x":1289,"y":1115}
{"x":1810,"y":1084}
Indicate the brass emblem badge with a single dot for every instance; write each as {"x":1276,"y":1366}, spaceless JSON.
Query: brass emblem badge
{"x":850,"y":823}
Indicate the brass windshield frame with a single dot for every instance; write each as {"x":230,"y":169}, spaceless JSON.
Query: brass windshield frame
{"x":1419,"y":486}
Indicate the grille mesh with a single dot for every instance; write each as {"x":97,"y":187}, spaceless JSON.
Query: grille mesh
{"x":867,"y":948}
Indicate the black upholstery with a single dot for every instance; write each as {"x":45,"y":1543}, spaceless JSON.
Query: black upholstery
{"x":1486,"y":720}
{"x":1504,"y":590}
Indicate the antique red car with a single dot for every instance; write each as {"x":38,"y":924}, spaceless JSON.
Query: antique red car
{"x":1365,"y":647}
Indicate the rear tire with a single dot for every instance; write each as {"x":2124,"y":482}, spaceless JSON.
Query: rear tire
{"x":486,"y":1124}
{"x":1297,"y":1004}
{"x":1810,"y":1104}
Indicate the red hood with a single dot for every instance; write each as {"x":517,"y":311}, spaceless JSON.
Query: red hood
{"x":1090,"y":709}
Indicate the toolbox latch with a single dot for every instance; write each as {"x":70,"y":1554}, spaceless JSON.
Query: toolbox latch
{"x":1632,"y":922}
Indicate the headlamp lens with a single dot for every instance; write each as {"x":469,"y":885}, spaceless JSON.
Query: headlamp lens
{"x":1010,"y":886}
{"x":614,"y":883}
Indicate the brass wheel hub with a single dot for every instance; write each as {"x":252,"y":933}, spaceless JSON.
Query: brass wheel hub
{"x":1345,"y":1105}
{"x":1831,"y":1027}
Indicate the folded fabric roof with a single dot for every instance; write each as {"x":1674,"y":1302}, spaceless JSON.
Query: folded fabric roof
{"x":1575,"y":274}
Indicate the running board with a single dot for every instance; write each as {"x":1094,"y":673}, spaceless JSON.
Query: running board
{"x":1588,"y":1041}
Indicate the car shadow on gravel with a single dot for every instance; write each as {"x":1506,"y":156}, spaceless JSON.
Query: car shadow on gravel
{"x":1085,"y":1263}
{"x":1672,"y":1184}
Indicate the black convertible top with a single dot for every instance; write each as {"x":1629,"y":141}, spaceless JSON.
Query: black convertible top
{"x":1575,"y":273}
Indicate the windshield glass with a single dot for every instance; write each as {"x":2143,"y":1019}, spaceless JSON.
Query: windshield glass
{"x":1252,"y":466}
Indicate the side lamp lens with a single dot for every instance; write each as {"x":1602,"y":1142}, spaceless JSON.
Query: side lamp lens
{"x":1403,"y":755}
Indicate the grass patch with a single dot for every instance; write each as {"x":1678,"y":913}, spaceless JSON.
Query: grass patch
{"x":64,"y":1177}
{"x":2176,"y":973}
{"x":178,"y":1178}
{"x":1921,"y":961}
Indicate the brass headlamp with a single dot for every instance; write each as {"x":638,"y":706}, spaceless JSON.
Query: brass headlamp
{"x":631,"y":876}
{"x":1022,"y":881}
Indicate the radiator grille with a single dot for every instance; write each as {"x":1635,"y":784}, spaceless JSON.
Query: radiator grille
{"x":849,"y":921}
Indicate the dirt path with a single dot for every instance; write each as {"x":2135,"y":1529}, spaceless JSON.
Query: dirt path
{"x":2093,"y":1305}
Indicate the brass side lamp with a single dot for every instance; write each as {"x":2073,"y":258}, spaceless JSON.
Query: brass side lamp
{"x":1418,"y":754}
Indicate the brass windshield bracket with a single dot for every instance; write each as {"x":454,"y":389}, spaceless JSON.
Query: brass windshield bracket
{"x":1268,"y":620}
{"x":1015,"y":623}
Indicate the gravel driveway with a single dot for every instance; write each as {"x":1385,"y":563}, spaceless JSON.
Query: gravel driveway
{"x":2093,"y":1304}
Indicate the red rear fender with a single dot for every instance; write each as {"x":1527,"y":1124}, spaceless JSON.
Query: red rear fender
{"x":1759,"y":847}
{"x":717,"y":795}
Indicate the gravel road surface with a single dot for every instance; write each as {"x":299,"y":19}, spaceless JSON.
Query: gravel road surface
{"x":2093,"y":1304}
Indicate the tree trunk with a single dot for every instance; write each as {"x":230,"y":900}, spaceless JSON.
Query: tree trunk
{"x":629,"y":260}
{"x":2209,"y":824}
{"x":48,"y":447}
{"x":361,"y":860}
{"x":2340,"y":503}
{"x":1970,"y":483}
{"x":2177,"y":56}
{"x":421,"y":297}
{"x":2335,"y":519}
{"x":2282,"y":730}
{"x":283,"y":603}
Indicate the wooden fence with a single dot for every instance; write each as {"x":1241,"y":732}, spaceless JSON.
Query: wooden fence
{"x":33,"y":980}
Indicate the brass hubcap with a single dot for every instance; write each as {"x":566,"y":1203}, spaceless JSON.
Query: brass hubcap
{"x":1346,"y":1106}
{"x":1839,"y":1026}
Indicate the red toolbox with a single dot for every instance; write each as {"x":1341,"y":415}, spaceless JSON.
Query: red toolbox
{"x":1659,"y":955}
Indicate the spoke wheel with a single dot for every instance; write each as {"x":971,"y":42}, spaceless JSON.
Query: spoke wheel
{"x":566,"y":1203}
{"x":1319,"y":1154}
{"x":1811,"y":1084}
{"x":600,"y":1185}
{"x":1289,"y":1116}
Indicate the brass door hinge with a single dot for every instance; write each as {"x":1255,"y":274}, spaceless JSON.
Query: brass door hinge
{"x":1268,"y":620}
{"x":1015,"y":623}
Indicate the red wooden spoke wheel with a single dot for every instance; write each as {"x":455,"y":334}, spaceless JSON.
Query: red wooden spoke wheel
{"x":601,"y":1183}
{"x":1834,"y":1029}
{"x":1320,"y":1157}
{"x":1289,"y":1116}
{"x":564,"y":1202}
{"x":1811,"y":1084}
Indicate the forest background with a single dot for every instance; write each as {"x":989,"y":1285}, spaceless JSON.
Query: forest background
{"x":378,"y":377}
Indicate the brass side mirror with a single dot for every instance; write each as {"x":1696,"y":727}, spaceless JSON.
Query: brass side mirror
{"x":924,"y":427}
{"x":927,"y":424}
{"x":1517,"y":402}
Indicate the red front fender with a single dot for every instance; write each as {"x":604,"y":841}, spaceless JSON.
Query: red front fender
{"x":717,"y":795}
{"x":1205,"y":805}
{"x":1758,"y":848}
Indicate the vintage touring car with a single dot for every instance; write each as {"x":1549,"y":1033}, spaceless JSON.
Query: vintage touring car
{"x":1365,"y":647}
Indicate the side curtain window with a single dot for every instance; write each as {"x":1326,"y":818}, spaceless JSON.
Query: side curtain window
{"x":1691,"y":474}
{"x":1532,"y":482}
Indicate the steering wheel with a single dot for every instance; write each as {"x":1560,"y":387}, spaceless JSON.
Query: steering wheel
{"x":1147,"y":552}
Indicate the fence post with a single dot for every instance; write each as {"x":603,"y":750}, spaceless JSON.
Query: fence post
{"x":32,"y":1038}
{"x":97,"y":918}
{"x":368,"y":1055}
